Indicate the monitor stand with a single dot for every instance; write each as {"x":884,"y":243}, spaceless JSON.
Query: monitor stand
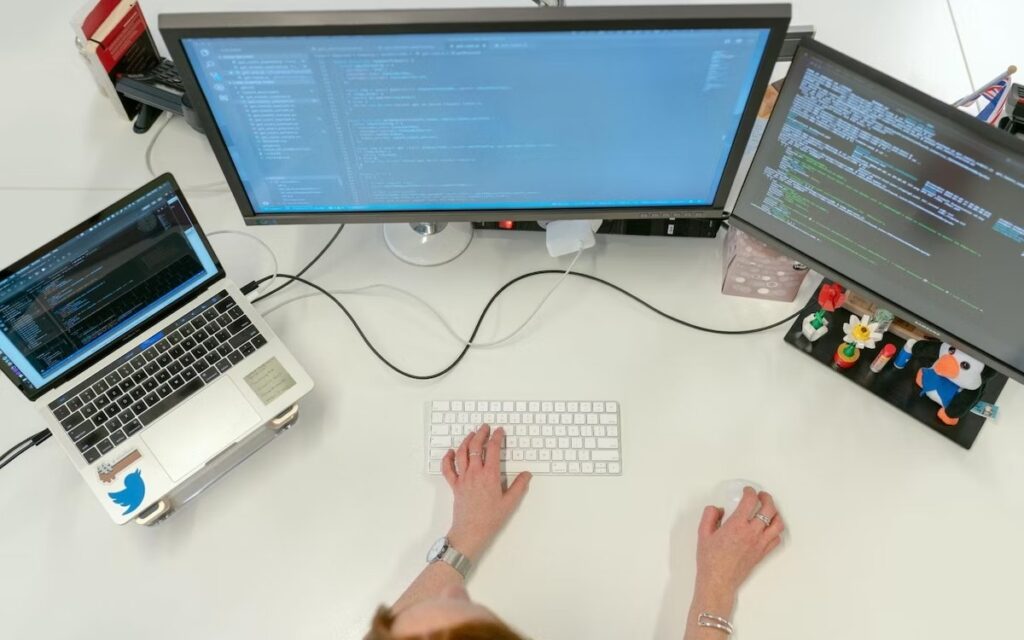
{"x":428,"y":244}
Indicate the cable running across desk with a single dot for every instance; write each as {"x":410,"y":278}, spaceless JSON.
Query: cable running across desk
{"x":494,"y":298}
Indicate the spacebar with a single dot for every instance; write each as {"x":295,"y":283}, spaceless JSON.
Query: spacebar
{"x":171,"y":401}
{"x":519,"y":466}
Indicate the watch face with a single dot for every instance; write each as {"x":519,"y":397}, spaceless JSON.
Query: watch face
{"x":437,"y":550}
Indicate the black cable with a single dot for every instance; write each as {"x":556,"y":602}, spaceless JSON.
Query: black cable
{"x":483,"y":314}
{"x":32,"y":441}
{"x":43,"y":435}
{"x":305,"y":268}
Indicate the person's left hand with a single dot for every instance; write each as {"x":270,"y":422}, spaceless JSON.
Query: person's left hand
{"x":482,"y":506}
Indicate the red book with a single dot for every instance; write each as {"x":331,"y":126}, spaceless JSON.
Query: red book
{"x":115,"y":40}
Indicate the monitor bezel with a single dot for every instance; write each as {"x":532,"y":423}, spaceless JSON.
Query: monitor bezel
{"x":176,"y":27}
{"x":956,"y":117}
{"x":33,"y":393}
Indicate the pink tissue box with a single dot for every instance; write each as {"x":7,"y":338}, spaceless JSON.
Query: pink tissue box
{"x":754,"y":270}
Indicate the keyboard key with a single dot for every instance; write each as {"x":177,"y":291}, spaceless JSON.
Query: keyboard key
{"x":138,"y":392}
{"x":174,"y":339}
{"x":199,"y":352}
{"x":112,"y":425}
{"x":247,"y":349}
{"x":117,"y":437}
{"x":532,"y":467}
{"x":138,"y":362}
{"x":163,"y":391}
{"x":224,"y":350}
{"x":104,"y":446}
{"x":176,"y":352}
{"x":187,"y":360}
{"x":164,"y":360}
{"x":246,"y":335}
{"x":132,"y":427}
{"x":150,"y":354}
{"x":224,"y":305}
{"x":210,"y":374}
{"x":198,"y":324}
{"x":239,"y":324}
{"x":152,"y":368}
{"x":124,"y":402}
{"x":175,"y":368}
{"x":150,"y":385}
{"x":87,"y":396}
{"x":126,"y":385}
{"x":187,"y":330}
{"x":100,"y":417}
{"x":139,"y":407}
{"x":169,"y":402}
{"x":125,"y":417}
{"x":162,"y":376}
{"x":614,"y":467}
{"x":74,"y":404}
{"x":114,"y":393}
{"x":100,"y":387}
{"x":201,"y":336}
{"x":176,"y":382}
{"x":92,"y":455}
{"x":81,"y":430}
{"x":89,"y":409}
{"x":211,"y":313}
{"x":140,"y":376}
{"x":111,"y":410}
{"x":163,"y":346}
{"x":125,"y":370}
{"x":236,"y":313}
{"x":201,"y":365}
{"x":151,"y":399}
{"x":72,"y":420}
{"x":92,"y":439}
{"x":223,"y":365}
{"x":213,"y":358}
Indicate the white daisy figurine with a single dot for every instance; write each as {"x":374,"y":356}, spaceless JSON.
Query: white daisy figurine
{"x":862,"y":332}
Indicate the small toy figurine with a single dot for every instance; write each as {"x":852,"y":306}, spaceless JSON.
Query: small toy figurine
{"x":846,"y":355}
{"x":830,"y":297}
{"x":862,"y":332}
{"x":955,"y":381}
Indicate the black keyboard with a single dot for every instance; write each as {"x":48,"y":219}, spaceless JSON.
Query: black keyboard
{"x":150,"y":380}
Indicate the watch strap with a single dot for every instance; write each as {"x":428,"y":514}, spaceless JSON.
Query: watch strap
{"x":455,"y":558}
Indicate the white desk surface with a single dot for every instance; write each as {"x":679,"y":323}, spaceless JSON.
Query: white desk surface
{"x":895,"y":532}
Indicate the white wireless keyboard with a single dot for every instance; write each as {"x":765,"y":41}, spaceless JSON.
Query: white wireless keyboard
{"x":545,"y":437}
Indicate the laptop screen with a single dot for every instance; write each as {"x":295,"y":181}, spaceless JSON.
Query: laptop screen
{"x":101,"y":280}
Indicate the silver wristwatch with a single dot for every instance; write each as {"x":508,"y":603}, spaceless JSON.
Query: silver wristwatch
{"x":443,"y":551}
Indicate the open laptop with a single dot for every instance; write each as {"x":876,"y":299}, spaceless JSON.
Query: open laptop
{"x":146,"y":362}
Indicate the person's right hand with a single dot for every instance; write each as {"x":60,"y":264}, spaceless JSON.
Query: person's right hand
{"x":727,"y":552}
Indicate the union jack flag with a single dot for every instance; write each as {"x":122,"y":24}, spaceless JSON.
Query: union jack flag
{"x":995,"y":95}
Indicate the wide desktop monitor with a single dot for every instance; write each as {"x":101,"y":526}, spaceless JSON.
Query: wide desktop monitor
{"x":478,"y":115}
{"x":898,"y":196}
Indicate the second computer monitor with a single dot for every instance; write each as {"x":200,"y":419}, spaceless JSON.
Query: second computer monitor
{"x":455,"y":115}
{"x":899,"y":196}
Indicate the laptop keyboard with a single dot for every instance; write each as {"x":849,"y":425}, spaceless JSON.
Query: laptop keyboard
{"x":147,"y":382}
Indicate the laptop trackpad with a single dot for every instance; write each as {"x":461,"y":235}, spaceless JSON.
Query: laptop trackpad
{"x":193,"y":432}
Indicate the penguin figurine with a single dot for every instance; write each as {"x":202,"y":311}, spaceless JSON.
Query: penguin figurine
{"x":955,"y":381}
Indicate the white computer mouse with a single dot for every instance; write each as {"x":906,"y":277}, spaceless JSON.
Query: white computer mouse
{"x":729,"y":493}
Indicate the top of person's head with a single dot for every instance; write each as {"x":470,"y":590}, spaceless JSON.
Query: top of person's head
{"x":380,"y":629}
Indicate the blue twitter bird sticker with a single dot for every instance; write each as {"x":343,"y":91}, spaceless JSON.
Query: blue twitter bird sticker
{"x":131,"y":496}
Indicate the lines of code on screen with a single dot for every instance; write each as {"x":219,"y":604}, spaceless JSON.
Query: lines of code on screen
{"x":489,"y":120}
{"x":895,"y":197}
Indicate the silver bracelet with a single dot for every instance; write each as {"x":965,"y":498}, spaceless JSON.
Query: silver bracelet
{"x":714,"y":622}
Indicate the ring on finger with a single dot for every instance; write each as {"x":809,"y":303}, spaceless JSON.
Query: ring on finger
{"x":475,"y":453}
{"x":763,"y":518}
